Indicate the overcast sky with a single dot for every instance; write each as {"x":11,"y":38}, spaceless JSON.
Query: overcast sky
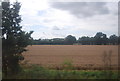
{"x":59,"y":19}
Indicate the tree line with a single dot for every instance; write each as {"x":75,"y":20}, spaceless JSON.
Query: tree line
{"x":99,"y":39}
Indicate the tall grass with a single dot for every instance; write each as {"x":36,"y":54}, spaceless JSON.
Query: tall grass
{"x":38,"y":72}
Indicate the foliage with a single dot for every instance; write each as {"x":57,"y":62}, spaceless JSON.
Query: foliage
{"x":67,"y":65}
{"x":14,"y":40}
{"x":85,"y":40}
{"x":37,"y":72}
{"x":70,"y":40}
{"x":113,"y":39}
{"x":99,"y":39}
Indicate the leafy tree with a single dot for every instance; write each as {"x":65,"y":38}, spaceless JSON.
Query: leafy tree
{"x":70,"y":40}
{"x":113,"y":39}
{"x":57,"y":41}
{"x":92,"y":40}
{"x":119,"y":40}
{"x":84,"y":40}
{"x":14,"y":40}
{"x":100,"y":38}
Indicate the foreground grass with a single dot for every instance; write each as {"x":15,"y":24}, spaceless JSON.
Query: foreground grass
{"x":37,"y":72}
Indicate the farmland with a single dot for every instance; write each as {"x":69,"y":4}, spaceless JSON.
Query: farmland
{"x":81,"y":56}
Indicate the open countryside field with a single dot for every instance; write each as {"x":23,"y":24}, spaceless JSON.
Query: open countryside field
{"x":81,"y":56}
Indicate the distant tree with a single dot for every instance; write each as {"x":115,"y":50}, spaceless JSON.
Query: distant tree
{"x":58,"y":41}
{"x":84,"y":40}
{"x":70,"y":40}
{"x":14,"y":40}
{"x":100,"y":38}
{"x":119,"y":40}
{"x":92,"y":40}
{"x":113,"y":39}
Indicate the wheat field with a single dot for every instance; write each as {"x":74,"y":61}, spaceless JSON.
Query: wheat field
{"x":82,"y":56}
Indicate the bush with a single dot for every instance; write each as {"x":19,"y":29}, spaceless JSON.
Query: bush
{"x":67,"y":65}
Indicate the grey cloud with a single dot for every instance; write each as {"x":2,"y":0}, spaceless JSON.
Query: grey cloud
{"x":55,"y":28}
{"x":82,"y":9}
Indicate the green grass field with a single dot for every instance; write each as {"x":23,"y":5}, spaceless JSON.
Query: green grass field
{"x":37,"y":72}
